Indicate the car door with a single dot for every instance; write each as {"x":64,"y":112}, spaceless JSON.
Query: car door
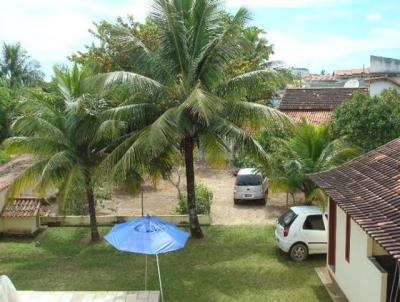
{"x":314,"y":232}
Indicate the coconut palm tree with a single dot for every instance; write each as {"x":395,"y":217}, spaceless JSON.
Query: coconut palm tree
{"x":310,"y":149}
{"x":183,"y":94}
{"x":17,"y":67}
{"x":68,"y":138}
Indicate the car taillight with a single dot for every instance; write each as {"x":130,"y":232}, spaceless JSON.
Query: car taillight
{"x":285,"y":231}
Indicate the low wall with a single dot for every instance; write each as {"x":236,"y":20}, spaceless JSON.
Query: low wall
{"x":111,"y":220}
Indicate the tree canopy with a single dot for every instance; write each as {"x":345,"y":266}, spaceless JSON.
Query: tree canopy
{"x":367,"y":121}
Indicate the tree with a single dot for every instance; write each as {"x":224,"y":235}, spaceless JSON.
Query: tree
{"x":69,"y":139}
{"x":310,"y":149}
{"x":184,"y":93}
{"x":368,"y":121}
{"x":17,"y":68}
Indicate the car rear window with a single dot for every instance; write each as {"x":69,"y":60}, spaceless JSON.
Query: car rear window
{"x":287,"y":218}
{"x":248,"y":180}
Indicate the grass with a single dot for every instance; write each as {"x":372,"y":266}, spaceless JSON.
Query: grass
{"x":237,"y":263}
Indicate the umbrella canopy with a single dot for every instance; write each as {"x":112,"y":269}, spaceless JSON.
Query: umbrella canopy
{"x":147,"y":235}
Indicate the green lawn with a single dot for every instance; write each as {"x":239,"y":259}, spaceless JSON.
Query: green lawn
{"x":239,"y":263}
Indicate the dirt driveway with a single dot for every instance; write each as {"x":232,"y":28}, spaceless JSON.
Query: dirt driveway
{"x":162,"y":200}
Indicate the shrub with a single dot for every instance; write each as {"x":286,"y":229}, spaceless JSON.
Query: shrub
{"x":3,"y":157}
{"x":204,"y":197}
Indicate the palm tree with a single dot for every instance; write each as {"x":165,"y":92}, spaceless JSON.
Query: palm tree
{"x":182,"y":91}
{"x":68,"y":139}
{"x":310,"y":149}
{"x":17,"y":67}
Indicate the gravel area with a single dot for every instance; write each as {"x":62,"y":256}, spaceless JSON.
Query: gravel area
{"x":162,"y":199}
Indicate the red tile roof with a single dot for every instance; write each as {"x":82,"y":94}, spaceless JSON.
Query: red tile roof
{"x":350,"y":72}
{"x":316,"y":98}
{"x":314,"y":117}
{"x":24,"y":207}
{"x":368,"y":189}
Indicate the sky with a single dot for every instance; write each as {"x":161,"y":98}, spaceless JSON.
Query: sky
{"x":314,"y":34}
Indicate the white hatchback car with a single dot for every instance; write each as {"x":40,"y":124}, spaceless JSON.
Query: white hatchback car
{"x":250,"y":185}
{"x":302,"y":230}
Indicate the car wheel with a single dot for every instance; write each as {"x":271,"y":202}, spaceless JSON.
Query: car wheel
{"x":299,"y":252}
{"x":235,"y":201}
{"x":264,"y":201}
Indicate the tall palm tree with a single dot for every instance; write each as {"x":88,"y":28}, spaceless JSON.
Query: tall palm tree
{"x":69,"y":140}
{"x":17,"y":67}
{"x":183,"y":94}
{"x":310,"y":149}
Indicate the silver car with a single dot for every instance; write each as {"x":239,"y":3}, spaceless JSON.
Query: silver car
{"x":250,"y":185}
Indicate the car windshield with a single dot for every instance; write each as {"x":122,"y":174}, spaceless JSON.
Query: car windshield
{"x":287,"y":218}
{"x":248,"y":180}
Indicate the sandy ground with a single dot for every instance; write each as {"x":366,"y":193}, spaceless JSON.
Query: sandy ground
{"x":163,"y":200}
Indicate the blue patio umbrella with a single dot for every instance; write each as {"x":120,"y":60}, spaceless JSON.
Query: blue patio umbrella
{"x":147,"y":235}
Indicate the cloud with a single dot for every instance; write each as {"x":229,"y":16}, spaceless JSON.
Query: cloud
{"x":374,"y":16}
{"x":317,"y":51}
{"x":51,"y":30}
{"x":279,"y":3}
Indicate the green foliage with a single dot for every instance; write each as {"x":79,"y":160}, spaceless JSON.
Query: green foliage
{"x":103,"y":192}
{"x":4,"y":157}
{"x":17,"y":68}
{"x":309,"y":149}
{"x":204,"y":197}
{"x":368,"y":121}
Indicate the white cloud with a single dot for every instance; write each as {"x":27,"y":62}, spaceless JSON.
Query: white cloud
{"x":51,"y":30}
{"x":279,"y":3}
{"x":374,"y":16}
{"x":319,"y":51}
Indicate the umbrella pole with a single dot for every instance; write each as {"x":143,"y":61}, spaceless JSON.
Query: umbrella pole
{"x":145,"y":274}
{"x":159,"y":278}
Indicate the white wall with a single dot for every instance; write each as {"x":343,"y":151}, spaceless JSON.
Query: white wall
{"x":359,"y":279}
{"x":377,"y":87}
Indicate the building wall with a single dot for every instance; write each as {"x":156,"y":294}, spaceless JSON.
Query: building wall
{"x":360,"y":279}
{"x":377,"y":87}
{"x":20,"y":225}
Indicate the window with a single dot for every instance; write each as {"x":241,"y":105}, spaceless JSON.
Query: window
{"x":249,"y":180}
{"x":348,"y":231}
{"x":287,"y":218}
{"x":314,"y":222}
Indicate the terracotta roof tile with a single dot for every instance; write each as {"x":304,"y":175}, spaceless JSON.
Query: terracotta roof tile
{"x":24,"y":207}
{"x":316,"y":98}
{"x":368,"y":189}
{"x":350,"y":72}
{"x":313,"y":116}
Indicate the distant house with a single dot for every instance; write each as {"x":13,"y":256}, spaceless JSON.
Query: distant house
{"x":315,"y":104}
{"x":385,"y":74}
{"x":20,"y":215}
{"x":364,"y":224}
{"x":351,"y":73}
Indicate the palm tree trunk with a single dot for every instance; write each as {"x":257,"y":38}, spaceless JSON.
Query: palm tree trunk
{"x":95,"y":236}
{"x":195,"y":229}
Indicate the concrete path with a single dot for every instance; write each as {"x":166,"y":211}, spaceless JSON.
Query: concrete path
{"x":110,"y":296}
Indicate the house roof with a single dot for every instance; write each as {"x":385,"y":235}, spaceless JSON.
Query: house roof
{"x":368,"y":189}
{"x":25,"y":207}
{"x":316,"y":117}
{"x":350,"y":72}
{"x":316,"y":98}
{"x":385,"y":78}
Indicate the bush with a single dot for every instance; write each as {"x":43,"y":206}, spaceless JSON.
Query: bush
{"x":204,"y":197}
{"x":3,"y":157}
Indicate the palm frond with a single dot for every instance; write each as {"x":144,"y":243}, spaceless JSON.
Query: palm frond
{"x":32,"y":145}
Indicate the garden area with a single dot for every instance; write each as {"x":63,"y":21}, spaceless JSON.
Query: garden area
{"x":236,"y":263}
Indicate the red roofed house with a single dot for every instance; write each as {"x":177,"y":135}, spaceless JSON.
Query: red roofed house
{"x":315,"y":104}
{"x":21,"y":215}
{"x":364,"y":224}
